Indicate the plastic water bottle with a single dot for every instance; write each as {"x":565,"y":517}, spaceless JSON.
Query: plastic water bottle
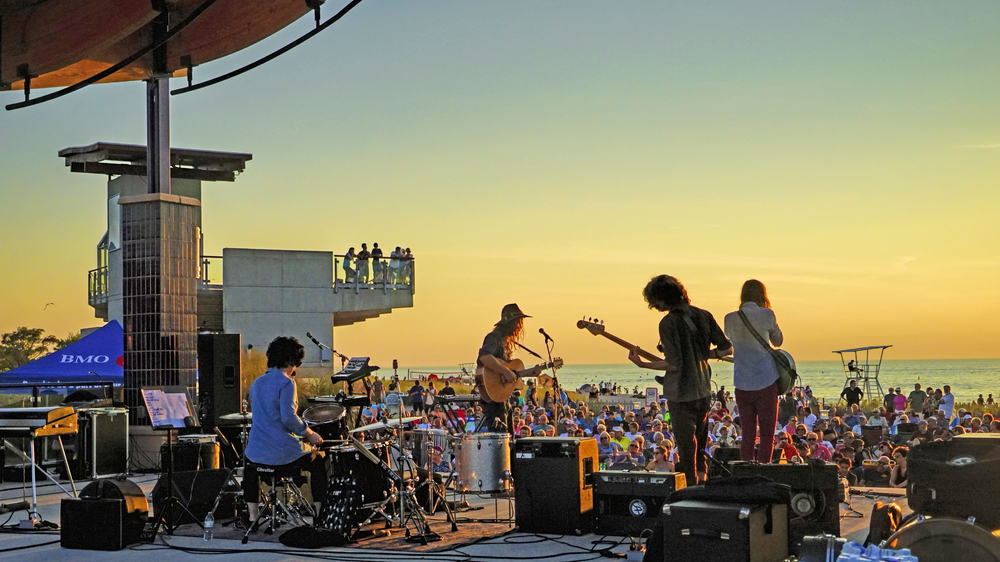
{"x":209,"y":527}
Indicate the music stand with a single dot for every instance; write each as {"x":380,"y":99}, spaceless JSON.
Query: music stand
{"x":167,"y":413}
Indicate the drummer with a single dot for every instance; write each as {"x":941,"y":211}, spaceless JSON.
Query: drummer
{"x":277,"y":431}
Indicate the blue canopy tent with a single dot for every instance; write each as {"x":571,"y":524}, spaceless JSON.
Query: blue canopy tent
{"x":95,"y":358}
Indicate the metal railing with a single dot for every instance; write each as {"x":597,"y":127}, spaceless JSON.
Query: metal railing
{"x":392,"y":274}
{"x":97,"y":286}
{"x":211,"y":270}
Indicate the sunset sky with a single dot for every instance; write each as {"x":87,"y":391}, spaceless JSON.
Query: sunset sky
{"x":558,"y":154}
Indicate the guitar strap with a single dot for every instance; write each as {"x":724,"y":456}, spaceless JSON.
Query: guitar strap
{"x":760,"y":339}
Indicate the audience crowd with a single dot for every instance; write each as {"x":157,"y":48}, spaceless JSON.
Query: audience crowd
{"x":869,"y":446}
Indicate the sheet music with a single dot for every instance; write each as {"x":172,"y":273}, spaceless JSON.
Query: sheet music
{"x":166,"y":409}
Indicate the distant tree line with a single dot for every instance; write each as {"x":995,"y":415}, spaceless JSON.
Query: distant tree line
{"x":24,"y":345}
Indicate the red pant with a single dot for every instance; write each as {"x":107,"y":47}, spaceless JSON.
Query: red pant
{"x":757,"y":407}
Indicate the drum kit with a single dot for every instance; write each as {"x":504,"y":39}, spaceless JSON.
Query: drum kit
{"x":373,"y":469}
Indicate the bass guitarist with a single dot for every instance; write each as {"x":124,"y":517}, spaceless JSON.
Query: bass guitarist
{"x":494,"y":354}
{"x":687,"y":335}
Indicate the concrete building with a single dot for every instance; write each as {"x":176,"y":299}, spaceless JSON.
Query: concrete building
{"x":259,"y":294}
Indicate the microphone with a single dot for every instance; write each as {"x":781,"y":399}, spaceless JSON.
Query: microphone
{"x":547,"y":337}
{"x":314,"y":340}
{"x":100,"y":378}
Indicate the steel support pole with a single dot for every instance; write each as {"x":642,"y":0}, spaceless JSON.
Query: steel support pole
{"x":158,"y":135}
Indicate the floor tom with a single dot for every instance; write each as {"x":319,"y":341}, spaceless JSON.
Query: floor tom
{"x":482,"y":462}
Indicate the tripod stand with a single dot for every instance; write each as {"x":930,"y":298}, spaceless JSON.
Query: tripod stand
{"x":167,"y":517}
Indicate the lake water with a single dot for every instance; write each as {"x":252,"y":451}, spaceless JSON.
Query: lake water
{"x":968,"y":377}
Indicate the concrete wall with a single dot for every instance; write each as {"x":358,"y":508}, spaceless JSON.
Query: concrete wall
{"x":270,"y":293}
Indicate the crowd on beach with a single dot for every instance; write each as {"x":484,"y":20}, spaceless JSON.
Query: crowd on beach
{"x":398,"y":269}
{"x":869,"y":446}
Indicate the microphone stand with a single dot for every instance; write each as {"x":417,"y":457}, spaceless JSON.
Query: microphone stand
{"x":556,"y":393}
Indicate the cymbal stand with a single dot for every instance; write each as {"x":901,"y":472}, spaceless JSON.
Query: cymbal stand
{"x":407,"y":500}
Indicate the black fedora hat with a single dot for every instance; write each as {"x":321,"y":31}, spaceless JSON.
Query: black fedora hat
{"x":510,"y":313}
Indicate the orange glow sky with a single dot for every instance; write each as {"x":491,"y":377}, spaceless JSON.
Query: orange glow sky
{"x":558,"y":154}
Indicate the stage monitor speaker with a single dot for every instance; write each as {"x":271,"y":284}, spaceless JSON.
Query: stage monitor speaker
{"x":220,"y":387}
{"x":629,"y":502}
{"x":197,"y":490}
{"x":109,"y":515}
{"x":554,"y":484}
{"x":956,"y":478}
{"x":815,"y":508}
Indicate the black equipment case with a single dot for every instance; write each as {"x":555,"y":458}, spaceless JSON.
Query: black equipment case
{"x":959,"y":478}
{"x":724,"y":532}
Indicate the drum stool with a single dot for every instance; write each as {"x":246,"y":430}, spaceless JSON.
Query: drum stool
{"x":283,"y":501}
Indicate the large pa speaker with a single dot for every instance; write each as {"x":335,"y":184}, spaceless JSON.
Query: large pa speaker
{"x":554,"y":484}
{"x":220,"y":390}
{"x":815,"y":507}
{"x":109,"y":515}
{"x":197,"y":490}
{"x":957,"y":478}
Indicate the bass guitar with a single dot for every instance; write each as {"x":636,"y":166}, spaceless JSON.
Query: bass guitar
{"x":598,"y":330}
{"x":492,"y":387}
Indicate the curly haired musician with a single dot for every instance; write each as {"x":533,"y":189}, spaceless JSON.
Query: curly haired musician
{"x":687,"y":335}
{"x":498,"y":346}
{"x":277,"y":428}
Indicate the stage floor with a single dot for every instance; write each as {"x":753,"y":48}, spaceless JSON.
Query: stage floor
{"x":474,"y":540}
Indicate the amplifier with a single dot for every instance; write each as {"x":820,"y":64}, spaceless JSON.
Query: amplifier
{"x":554,"y":484}
{"x":109,"y":515}
{"x":939,"y":475}
{"x":627,"y":503}
{"x":815,"y":505}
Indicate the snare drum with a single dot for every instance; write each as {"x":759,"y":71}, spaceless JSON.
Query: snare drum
{"x":483,"y":462}
{"x":329,"y":420}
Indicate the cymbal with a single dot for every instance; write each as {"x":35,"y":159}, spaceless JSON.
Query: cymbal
{"x":380,"y":425}
{"x":238,"y":416}
{"x":370,"y":427}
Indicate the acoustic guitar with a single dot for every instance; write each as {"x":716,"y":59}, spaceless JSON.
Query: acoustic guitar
{"x":492,"y":387}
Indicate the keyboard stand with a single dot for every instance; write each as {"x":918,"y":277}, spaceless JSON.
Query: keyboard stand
{"x":33,"y":513}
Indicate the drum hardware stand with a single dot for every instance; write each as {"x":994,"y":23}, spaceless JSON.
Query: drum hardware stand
{"x":405,"y":491}
{"x":851,"y":512}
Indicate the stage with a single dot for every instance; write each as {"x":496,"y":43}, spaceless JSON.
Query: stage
{"x":473,"y":541}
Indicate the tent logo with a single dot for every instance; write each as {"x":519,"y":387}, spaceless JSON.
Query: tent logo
{"x":84,"y":359}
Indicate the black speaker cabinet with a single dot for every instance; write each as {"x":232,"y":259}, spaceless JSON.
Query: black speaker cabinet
{"x":554,"y":484}
{"x":109,"y":515}
{"x":957,"y":478}
{"x":815,"y":506}
{"x":629,"y":502}
{"x":220,"y":390}
{"x":723,"y":532}
{"x":197,"y":491}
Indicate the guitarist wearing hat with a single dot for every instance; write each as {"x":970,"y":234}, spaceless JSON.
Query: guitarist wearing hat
{"x":498,"y":346}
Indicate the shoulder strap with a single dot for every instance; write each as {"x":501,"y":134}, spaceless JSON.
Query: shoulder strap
{"x":746,"y":322}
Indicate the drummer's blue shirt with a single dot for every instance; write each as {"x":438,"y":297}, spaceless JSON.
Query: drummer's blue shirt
{"x":274,"y":435}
